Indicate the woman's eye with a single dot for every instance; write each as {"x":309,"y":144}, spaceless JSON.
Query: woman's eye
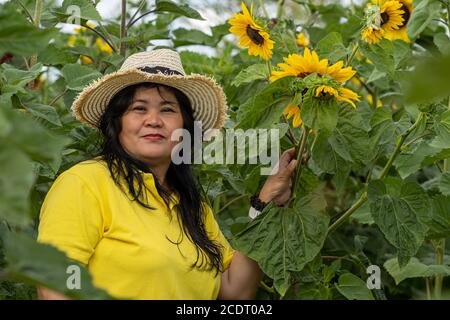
{"x":139,"y":108}
{"x":167,"y":109}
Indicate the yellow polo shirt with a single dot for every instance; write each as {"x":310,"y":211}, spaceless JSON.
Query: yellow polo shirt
{"x":124,"y":246}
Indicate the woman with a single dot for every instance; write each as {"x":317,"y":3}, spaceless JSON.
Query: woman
{"x":133,"y":217}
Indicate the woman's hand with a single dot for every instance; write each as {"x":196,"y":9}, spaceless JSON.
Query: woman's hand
{"x":277,"y":187}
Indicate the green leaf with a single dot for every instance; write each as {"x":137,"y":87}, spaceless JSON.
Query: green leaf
{"x":179,"y":9}
{"x":40,"y":264}
{"x":35,"y":140}
{"x":45,"y":112}
{"x":282,"y":240}
{"x":442,"y":128}
{"x":332,"y":47}
{"x":319,"y":113}
{"x":78,"y":76}
{"x":16,"y":180}
{"x":185,"y":37}
{"x":442,"y":41}
{"x":19,"y":37}
{"x":429,"y":81}
{"x":72,"y":11}
{"x":353,"y":288}
{"x":53,"y":56}
{"x":264,"y":109}
{"x":381,"y":55}
{"x":414,"y":269}
{"x":347,"y":144}
{"x":424,"y":12}
{"x":411,"y":161}
{"x":400,"y":209}
{"x":251,"y":73}
{"x":440,"y":218}
{"x":17,"y":77}
{"x":444,"y":184}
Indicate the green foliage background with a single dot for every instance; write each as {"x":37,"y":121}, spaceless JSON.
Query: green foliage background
{"x":385,"y":170}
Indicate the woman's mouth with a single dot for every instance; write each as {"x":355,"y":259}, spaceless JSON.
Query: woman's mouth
{"x":153,"y":137}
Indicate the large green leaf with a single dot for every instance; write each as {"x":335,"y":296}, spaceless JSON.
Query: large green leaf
{"x":43,"y":265}
{"x":409,"y":162}
{"x":384,"y":129}
{"x":17,"y":77}
{"x":179,"y":9}
{"x":254,"y":72}
{"x":45,"y":112}
{"x":78,"y":76}
{"x":381,"y":55}
{"x":401,"y":210}
{"x":16,"y":180}
{"x":282,"y":240}
{"x":353,"y":288}
{"x":18,"y":36}
{"x":332,"y":47}
{"x":347,"y":144}
{"x":414,"y":269}
{"x":35,"y":140}
{"x":319,"y":113}
{"x":264,"y":109}
{"x":440,"y":218}
{"x":424,"y":13}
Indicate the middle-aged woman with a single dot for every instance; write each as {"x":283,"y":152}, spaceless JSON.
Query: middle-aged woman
{"x":132,"y":216}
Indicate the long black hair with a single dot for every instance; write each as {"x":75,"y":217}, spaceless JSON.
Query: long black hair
{"x":124,"y":168}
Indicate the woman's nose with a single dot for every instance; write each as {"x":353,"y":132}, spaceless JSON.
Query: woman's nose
{"x":153,"y":119}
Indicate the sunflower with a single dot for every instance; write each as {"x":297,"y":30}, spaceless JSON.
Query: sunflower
{"x":251,"y":35}
{"x":382,"y":16}
{"x":302,"y":40}
{"x":296,"y":65}
{"x":300,"y":66}
{"x":401,"y":33}
{"x":293,"y":111}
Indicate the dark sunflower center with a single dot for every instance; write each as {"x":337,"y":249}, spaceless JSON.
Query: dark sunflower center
{"x":384,"y":18}
{"x":406,"y":15}
{"x":255,"y":36}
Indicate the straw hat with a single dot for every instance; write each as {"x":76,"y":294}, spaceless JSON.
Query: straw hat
{"x":162,"y":66}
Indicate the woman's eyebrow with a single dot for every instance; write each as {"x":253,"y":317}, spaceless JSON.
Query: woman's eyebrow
{"x":163,"y":102}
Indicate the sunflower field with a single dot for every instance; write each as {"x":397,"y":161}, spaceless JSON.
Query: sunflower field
{"x":360,"y":89}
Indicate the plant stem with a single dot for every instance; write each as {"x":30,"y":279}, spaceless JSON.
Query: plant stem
{"x":110,"y":43}
{"x":427,"y":284}
{"x":266,"y":287}
{"x":349,"y":60}
{"x":231,"y":201}
{"x":400,"y":142}
{"x":140,"y":6}
{"x":131,"y":23}
{"x":123,"y":28}
{"x":261,"y":4}
{"x":37,"y":21}
{"x":363,"y":198}
{"x":280,"y":9}
{"x":440,"y":249}
{"x":26,"y":11}
{"x":57,"y":97}
{"x":300,"y":148}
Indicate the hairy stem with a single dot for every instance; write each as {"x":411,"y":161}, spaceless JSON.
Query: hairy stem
{"x":123,"y":28}
{"x":363,"y":198}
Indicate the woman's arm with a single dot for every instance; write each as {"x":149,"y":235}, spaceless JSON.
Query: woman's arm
{"x":241,"y":280}
{"x":47,"y":294}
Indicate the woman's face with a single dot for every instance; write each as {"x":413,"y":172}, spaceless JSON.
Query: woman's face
{"x":148,"y":123}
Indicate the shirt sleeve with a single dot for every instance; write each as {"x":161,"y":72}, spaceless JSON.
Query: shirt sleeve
{"x":216,"y":234}
{"x":70,"y":218}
